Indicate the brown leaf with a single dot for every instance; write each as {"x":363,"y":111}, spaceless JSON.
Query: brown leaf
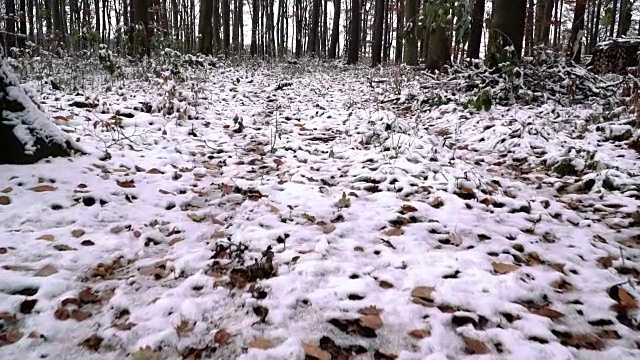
{"x":385,"y":284}
{"x":62,"y":314}
{"x":175,"y":240}
{"x":43,"y":188}
{"x":606,"y":261}
{"x":408,"y":208}
{"x":548,"y":313}
{"x":5,"y":200}
{"x":46,"y":237}
{"x":423,"y":292}
{"x":87,"y":296}
{"x":184,"y":328}
{"x":46,"y":270}
{"x":394,"y":232}
{"x":221,"y":337}
{"x":261,"y":312}
{"x":278,"y":162}
{"x":79,"y":315}
{"x":196,"y":217}
{"x":475,"y":346}
{"x":328,"y":228}
{"x":626,"y":300}
{"x":502,"y":269}
{"x":6,"y":190}
{"x":10,"y":336}
{"x":419,"y":333}
{"x":8,"y":317}
{"x":92,"y":342}
{"x":369,"y":310}
{"x":260,"y":343}
{"x":313,"y":352}
{"x":154,"y":171}
{"x":372,"y":321}
{"x":127,"y":184}
{"x":77,"y":233}
{"x":26,"y":306}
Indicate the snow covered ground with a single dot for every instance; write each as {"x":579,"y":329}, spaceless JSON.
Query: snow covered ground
{"x":284,"y":212}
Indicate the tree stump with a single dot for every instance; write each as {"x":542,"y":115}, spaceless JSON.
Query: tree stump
{"x":615,"y":56}
{"x":26,"y":135}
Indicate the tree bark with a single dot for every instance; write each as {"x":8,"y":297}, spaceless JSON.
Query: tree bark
{"x":507,"y":28}
{"x":400,"y":30}
{"x":624,"y":22}
{"x":354,"y":33}
{"x":335,"y":31}
{"x":438,"y":48}
{"x":475,"y":36}
{"x":596,"y":27}
{"x":10,"y":22}
{"x":411,"y":33}
{"x":313,"y":45}
{"x":378,"y":28}
{"x":528,"y":38}
{"x":255,"y":23}
{"x":614,"y":15}
{"x":577,"y":30}
{"x":226,"y":26}
{"x":205,"y":30}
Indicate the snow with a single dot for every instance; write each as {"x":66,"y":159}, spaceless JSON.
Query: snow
{"x":468,"y":190}
{"x":30,"y":124}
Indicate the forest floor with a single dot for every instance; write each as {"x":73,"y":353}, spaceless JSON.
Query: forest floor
{"x":298,"y":213}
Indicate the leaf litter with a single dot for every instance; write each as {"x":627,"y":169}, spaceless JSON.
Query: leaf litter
{"x":505,"y":233}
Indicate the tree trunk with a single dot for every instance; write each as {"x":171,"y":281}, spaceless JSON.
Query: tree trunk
{"x":411,"y":33}
{"x":299,"y":18}
{"x":313,"y":32}
{"x":507,"y":28}
{"x":10,"y":22}
{"x":354,"y":33}
{"x":438,"y":47}
{"x":624,"y":22}
{"x":475,"y":36}
{"x":26,"y":135}
{"x":528,"y":38}
{"x":205,"y":30}
{"x":614,"y":15}
{"x":596,"y":27}
{"x":23,"y":23}
{"x":255,"y":19}
{"x":577,"y":30}
{"x":217,"y":41}
{"x":386,"y":45}
{"x":335,"y":31}
{"x":226,"y":26}
{"x":378,"y":28}
{"x":400,"y":30}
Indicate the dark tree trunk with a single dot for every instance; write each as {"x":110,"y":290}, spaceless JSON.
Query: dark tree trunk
{"x":39,"y":138}
{"x":313,"y":45}
{"x":205,"y":40}
{"x":507,"y":28}
{"x":528,"y":37}
{"x":624,"y":22}
{"x":255,"y":24}
{"x":217,"y":41}
{"x":577,"y":28}
{"x":475,"y":36}
{"x":399,"y":30}
{"x":10,"y":23}
{"x":354,"y":33}
{"x":438,"y":47}
{"x":411,"y":33}
{"x":298,"y":5}
{"x":595,"y":27}
{"x":378,"y":28}
{"x":614,"y":15}
{"x":335,"y":31}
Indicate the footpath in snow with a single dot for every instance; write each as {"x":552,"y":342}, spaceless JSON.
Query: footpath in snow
{"x":278,"y":213}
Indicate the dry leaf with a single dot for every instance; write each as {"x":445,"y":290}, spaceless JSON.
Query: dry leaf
{"x":409,"y":208}
{"x":274,"y":209}
{"x":475,"y":346}
{"x":175,"y":240}
{"x":394,"y":232}
{"x":218,"y":234}
{"x":221,"y":337}
{"x":501,"y":268}
{"x":548,"y":313}
{"x":47,"y":270}
{"x":606,"y":261}
{"x":309,"y":218}
{"x":196,"y":217}
{"x":154,"y":171}
{"x":328,"y":228}
{"x":46,"y":237}
{"x":77,"y":233}
{"x":419,"y":333}
{"x":62,"y":314}
{"x":92,"y":342}
{"x":278,"y":162}
{"x":423,"y":292}
{"x":626,"y":300}
{"x":372,"y":321}
{"x":5,"y":200}
{"x":385,"y":284}
{"x":43,"y":188}
{"x":10,"y":336}
{"x":127,"y":184}
{"x":6,"y":190}
{"x":260,"y":343}
{"x":79,"y":315}
{"x":88,"y":296}
{"x":313,"y":352}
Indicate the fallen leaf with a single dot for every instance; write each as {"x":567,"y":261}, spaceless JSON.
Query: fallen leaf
{"x":79,"y":315}
{"x":274,"y":209}
{"x":502,"y":269}
{"x":419,"y":333}
{"x":221,"y":337}
{"x":606,"y":261}
{"x":46,"y":237}
{"x":10,"y":336}
{"x":92,"y":342}
{"x":409,"y":208}
{"x":394,"y":232}
{"x":385,"y":284}
{"x":372,"y":321}
{"x":6,"y":190}
{"x":196,"y":217}
{"x":219,"y":234}
{"x":154,"y":171}
{"x":127,"y":184}
{"x":260,"y":343}
{"x":548,"y":313}
{"x":8,"y":317}
{"x":475,"y":346}
{"x":87,"y":296}
{"x":62,"y":314}
{"x":328,"y":228}
{"x":626,"y":299}
{"x":278,"y":162}
{"x":5,"y":200}
{"x":63,"y":247}
{"x":77,"y":233}
{"x":175,"y":240}
{"x":43,"y":188}
{"x":26,"y":306}
{"x":313,"y":352}
{"x":423,"y":292}
{"x":47,"y":270}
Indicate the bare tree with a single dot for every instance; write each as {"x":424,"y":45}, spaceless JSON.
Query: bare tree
{"x":411,"y":32}
{"x":577,"y":28}
{"x":378,"y":28}
{"x":475,"y":35}
{"x":354,"y":33}
{"x":335,"y":31}
{"x":507,"y":28}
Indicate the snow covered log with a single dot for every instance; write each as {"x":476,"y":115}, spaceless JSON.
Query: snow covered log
{"x":26,"y":135}
{"x":615,"y":56}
